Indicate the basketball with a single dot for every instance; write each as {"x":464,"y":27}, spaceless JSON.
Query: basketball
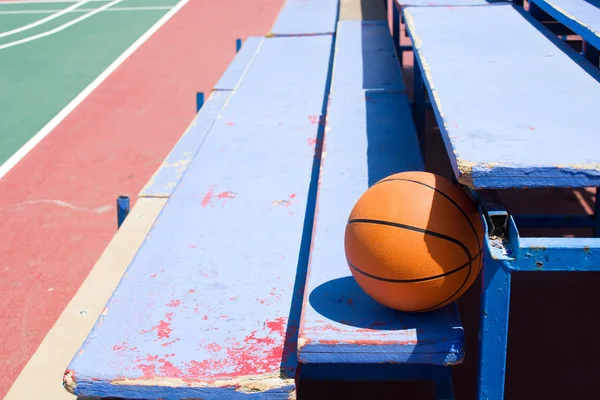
{"x":414,"y":241}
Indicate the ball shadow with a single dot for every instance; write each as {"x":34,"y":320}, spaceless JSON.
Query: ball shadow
{"x":343,"y":301}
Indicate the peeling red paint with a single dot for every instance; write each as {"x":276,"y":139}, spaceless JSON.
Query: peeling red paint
{"x":170,"y":343}
{"x":119,"y":347}
{"x":205,"y":318}
{"x":192,"y":246}
{"x":174,"y":303}
{"x":234,"y":298}
{"x":231,"y":123}
{"x":252,"y":356}
{"x":207,"y":197}
{"x":153,"y":276}
{"x":226,"y":195}
{"x":163,"y":329}
{"x":314,"y":119}
{"x":192,"y":290}
{"x":148,"y":370}
{"x":213,"y":347}
{"x":312,"y":142}
{"x":169,"y":370}
{"x":325,"y":341}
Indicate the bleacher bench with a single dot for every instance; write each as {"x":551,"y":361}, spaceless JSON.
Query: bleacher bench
{"x":216,"y":303}
{"x":515,"y":110}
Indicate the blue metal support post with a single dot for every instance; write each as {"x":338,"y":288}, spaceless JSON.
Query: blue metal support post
{"x":123,"y":208}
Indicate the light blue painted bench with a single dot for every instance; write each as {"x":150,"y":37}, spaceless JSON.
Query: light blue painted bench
{"x":581,"y":16}
{"x":369,"y":135}
{"x":506,"y":129}
{"x":306,"y":17}
{"x":209,"y":307}
{"x":399,"y":5}
{"x":169,"y":173}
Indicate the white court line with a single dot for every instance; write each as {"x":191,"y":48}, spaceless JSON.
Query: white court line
{"x":42,"y":133}
{"x":80,"y":10}
{"x":60,"y":27}
{"x":43,"y":20}
{"x":43,"y":1}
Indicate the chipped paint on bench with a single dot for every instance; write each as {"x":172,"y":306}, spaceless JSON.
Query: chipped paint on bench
{"x":210,"y":305}
{"x":581,"y":16}
{"x":533,"y":124}
{"x":368,"y":137}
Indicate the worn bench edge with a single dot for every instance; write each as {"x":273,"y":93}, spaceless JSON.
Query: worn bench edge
{"x":240,"y":64}
{"x":571,"y":21}
{"x":478,"y":175}
{"x":272,"y":386}
{"x":48,"y":363}
{"x":340,"y":357}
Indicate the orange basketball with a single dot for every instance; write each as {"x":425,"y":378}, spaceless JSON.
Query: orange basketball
{"x":414,"y":241}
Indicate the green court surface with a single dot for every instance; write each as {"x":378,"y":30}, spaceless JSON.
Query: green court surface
{"x":42,"y":73}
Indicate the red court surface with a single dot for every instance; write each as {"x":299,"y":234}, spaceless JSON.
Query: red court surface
{"x":57,"y":205}
{"x":57,"y":208}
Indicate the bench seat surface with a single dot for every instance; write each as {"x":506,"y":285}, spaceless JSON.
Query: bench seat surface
{"x":169,"y":173}
{"x":514,"y":110}
{"x":369,"y":135}
{"x":306,"y":17}
{"x":365,"y":58}
{"x":441,"y":3}
{"x":581,"y":16}
{"x":210,"y":304}
{"x":239,"y":64}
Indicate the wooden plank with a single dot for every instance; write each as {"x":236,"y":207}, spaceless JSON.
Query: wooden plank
{"x":368,"y":10}
{"x":365,"y":58}
{"x":306,"y":17}
{"x":234,"y":72}
{"x":41,"y":377}
{"x":581,"y":16}
{"x":266,"y":91}
{"x":368,"y":137}
{"x":168,"y":175}
{"x":445,"y":3}
{"x":515,"y":110}
{"x":210,"y":305}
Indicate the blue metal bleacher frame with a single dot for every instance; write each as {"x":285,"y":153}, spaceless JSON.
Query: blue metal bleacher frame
{"x":477,"y":141}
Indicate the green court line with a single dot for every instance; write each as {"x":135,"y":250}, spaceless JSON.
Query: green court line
{"x":41,"y":77}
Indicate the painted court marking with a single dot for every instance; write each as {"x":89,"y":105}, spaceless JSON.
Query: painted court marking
{"x":60,"y":27}
{"x":80,"y":10}
{"x":43,"y":20}
{"x":45,"y":131}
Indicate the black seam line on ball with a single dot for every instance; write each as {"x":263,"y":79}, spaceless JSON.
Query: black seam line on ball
{"x":411,"y":228}
{"x":416,"y":280}
{"x":443,"y":194}
{"x":435,"y":234}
